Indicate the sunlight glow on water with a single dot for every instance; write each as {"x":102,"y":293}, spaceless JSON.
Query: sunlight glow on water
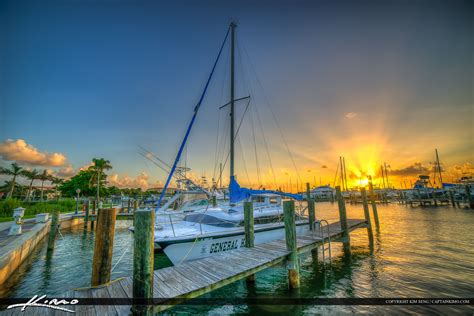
{"x":419,"y":252}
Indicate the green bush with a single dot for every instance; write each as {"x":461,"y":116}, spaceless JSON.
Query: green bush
{"x":33,"y":208}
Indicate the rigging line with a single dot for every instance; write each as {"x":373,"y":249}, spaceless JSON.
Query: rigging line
{"x":266,"y":146}
{"x":154,"y":155}
{"x":222,"y":143}
{"x":237,"y":132}
{"x":217,"y":143}
{"x":335,"y":176}
{"x":243,"y":159}
{"x":255,"y":148}
{"x":263,"y":133}
{"x":246,"y":87}
{"x":273,"y":114}
{"x":155,"y":163}
{"x":196,"y":109}
{"x":224,"y":81}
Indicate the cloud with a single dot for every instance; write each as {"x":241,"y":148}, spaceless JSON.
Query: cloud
{"x":324,"y":167}
{"x":413,"y":170}
{"x":140,"y":181}
{"x":85,"y":167}
{"x":65,"y":172}
{"x":21,"y":152}
{"x":350,"y":115}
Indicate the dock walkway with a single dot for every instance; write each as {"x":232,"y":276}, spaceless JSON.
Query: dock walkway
{"x":194,"y":278}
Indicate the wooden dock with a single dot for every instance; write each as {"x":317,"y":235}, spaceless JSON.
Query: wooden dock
{"x":194,"y":278}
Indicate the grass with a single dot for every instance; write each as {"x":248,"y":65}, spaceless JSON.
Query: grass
{"x":33,"y":208}
{"x":9,"y":219}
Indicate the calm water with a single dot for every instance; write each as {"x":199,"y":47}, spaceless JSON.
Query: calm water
{"x":419,"y":252}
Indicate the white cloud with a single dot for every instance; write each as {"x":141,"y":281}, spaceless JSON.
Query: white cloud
{"x":140,"y":181}
{"x":21,"y":152}
{"x":66,"y":172}
{"x":350,"y":115}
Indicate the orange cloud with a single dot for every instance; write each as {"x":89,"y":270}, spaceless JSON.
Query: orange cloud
{"x":21,"y":152}
{"x":65,"y":172}
{"x":140,"y":181}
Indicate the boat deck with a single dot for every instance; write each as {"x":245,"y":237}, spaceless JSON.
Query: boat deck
{"x":190,"y":279}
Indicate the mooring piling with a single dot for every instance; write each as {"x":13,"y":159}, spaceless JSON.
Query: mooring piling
{"x":374,"y":205}
{"x":53,"y":229}
{"x":249,"y":231}
{"x":346,"y":241}
{"x":367,"y":217}
{"x":290,"y":237}
{"x":470,"y":202}
{"x":86,"y":215}
{"x":143,"y":260}
{"x":311,"y":218}
{"x":103,"y":247}
{"x":94,"y":212}
{"x":451,"y":198}
{"x":311,"y":208}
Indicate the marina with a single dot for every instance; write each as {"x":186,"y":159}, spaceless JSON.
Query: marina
{"x":387,"y":258}
{"x":168,"y":158}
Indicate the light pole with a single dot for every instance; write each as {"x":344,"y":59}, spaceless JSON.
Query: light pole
{"x":77,"y":200}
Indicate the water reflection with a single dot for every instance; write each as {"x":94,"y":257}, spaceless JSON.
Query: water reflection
{"x":417,"y":252}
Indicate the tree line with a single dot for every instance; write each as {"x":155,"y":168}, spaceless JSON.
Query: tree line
{"x":91,"y":182}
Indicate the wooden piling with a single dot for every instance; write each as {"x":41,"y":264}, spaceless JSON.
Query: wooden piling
{"x":86,"y":215}
{"x":311,"y":218}
{"x":311,"y":208}
{"x":103,"y":247}
{"x":367,"y":217}
{"x":94,"y":212}
{"x":135,"y":205}
{"x":374,"y":205}
{"x":53,"y":230}
{"x":346,"y":242}
{"x":470,"y":202}
{"x":214,"y":201}
{"x":143,"y":260}
{"x":290,"y":237}
{"x":451,"y":197}
{"x":249,"y":231}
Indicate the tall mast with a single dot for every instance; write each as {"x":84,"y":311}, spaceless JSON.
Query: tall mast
{"x":345,"y":174}
{"x":232,"y":119}
{"x":386,"y":174}
{"x":220,"y":175}
{"x":342,"y":173}
{"x":439,"y":167}
{"x":383,"y":176}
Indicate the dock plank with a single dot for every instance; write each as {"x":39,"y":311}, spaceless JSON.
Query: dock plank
{"x":194,"y":278}
{"x":116,"y":291}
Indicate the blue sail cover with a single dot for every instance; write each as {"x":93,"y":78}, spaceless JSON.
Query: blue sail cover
{"x":448,"y":185}
{"x":238,"y":194}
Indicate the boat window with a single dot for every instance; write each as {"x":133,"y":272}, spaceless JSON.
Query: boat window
{"x":209,"y":220}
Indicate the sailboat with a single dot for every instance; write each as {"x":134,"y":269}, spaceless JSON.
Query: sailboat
{"x":212,"y":229}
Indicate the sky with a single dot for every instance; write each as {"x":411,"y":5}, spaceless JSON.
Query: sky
{"x":373,"y":81}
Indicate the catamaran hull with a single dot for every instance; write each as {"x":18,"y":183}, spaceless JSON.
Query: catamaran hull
{"x":190,"y":249}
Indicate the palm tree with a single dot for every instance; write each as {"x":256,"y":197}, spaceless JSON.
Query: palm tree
{"x":32,"y":175}
{"x":100,"y":164}
{"x":14,"y":171}
{"x":44,"y":176}
{"x":56,"y":181}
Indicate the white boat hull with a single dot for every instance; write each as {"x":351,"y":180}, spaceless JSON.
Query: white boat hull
{"x":179,"y":251}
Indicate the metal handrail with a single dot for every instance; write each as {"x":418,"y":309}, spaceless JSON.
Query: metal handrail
{"x":321,"y":234}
